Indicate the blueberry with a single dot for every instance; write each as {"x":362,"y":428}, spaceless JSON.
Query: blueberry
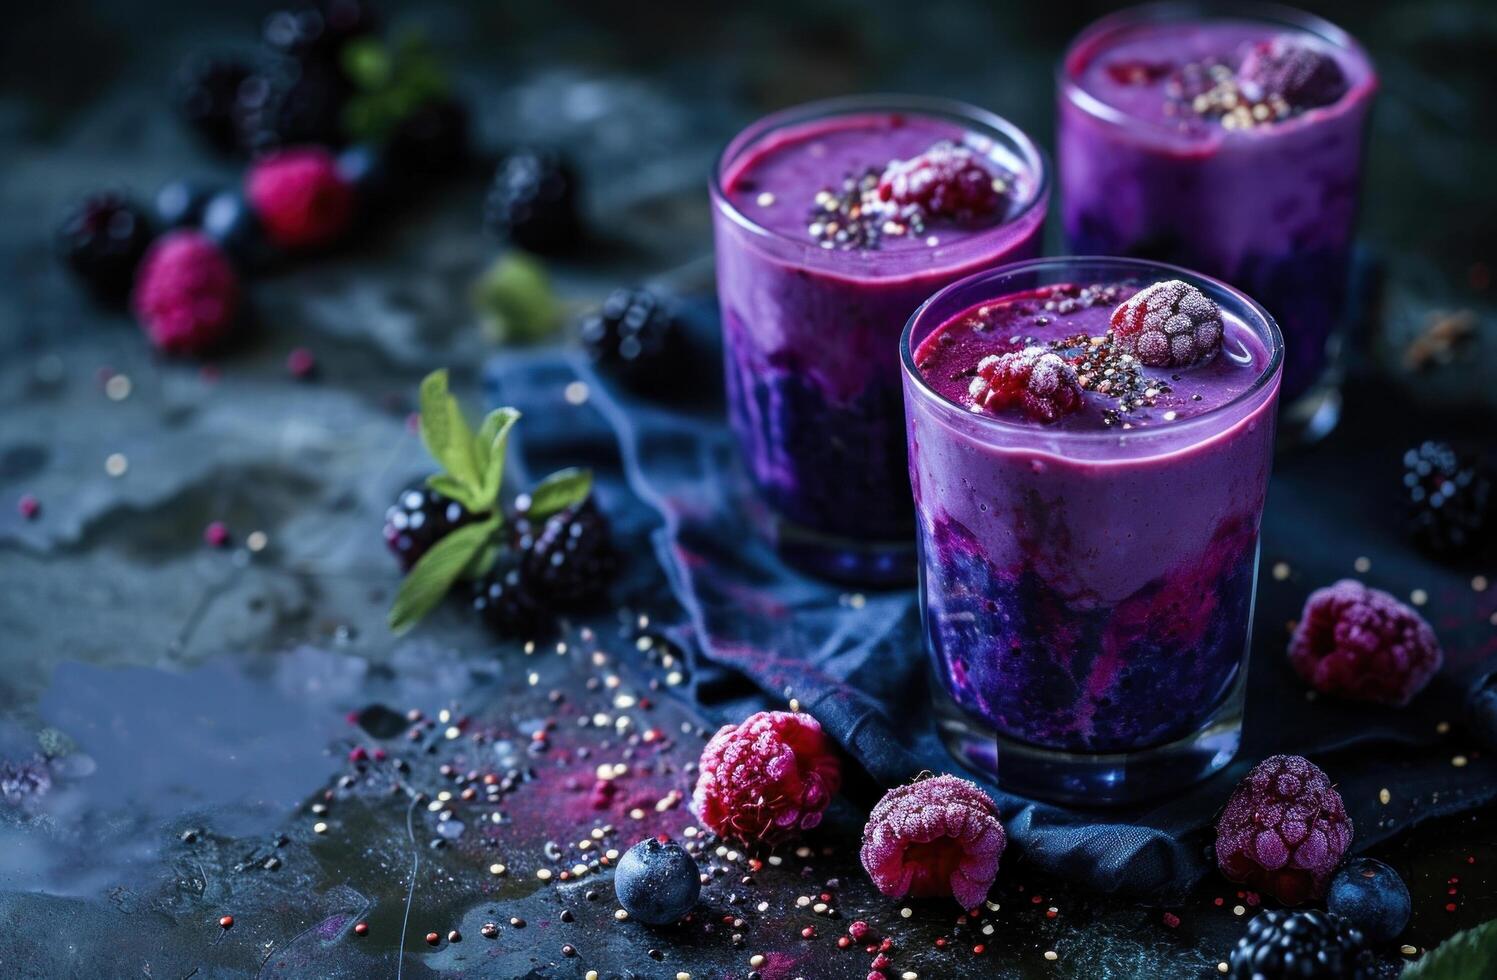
{"x":657,"y":883}
{"x":229,"y":220}
{"x":1481,"y":710}
{"x":180,"y":203}
{"x":1371,"y":896}
{"x":365,"y":167}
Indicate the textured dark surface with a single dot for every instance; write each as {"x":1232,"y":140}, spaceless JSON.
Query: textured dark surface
{"x":176,"y":687}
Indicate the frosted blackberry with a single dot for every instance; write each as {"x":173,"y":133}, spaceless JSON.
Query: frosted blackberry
{"x":502,"y":599}
{"x":532,"y":202}
{"x":288,"y":104}
{"x":102,"y":239}
{"x":1310,"y":945}
{"x":205,"y":92}
{"x":633,"y":335}
{"x":1450,"y":499}
{"x":568,"y":558}
{"x":419,"y":518}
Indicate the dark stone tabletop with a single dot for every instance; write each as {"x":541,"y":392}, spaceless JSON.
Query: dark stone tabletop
{"x":176,"y":721}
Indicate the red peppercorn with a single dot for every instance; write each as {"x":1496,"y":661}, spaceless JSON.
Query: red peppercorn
{"x":226,"y":922}
{"x":432,"y":939}
{"x":843,"y":942}
{"x":809,"y":932}
{"x":361,"y":929}
{"x":979,"y":949}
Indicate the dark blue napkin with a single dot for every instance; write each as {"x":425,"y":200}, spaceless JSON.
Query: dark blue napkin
{"x":760,"y":634}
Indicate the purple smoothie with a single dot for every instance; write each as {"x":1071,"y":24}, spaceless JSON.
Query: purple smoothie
{"x":813,"y":301}
{"x":1178,"y":141}
{"x":1088,"y":582}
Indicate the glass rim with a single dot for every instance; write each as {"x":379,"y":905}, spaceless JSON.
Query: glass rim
{"x":937,"y":106}
{"x":1163,"y":11}
{"x":1000,"y":426}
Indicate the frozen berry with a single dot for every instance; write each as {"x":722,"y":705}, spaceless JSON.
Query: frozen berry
{"x":766,"y":779}
{"x":1291,"y":69}
{"x":532,"y":202}
{"x":181,"y":203}
{"x":290,"y":104}
{"x":229,"y":220}
{"x":419,"y":518}
{"x":186,"y":293}
{"x":1284,"y":830}
{"x":1481,"y":710}
{"x":1363,"y":644}
{"x":657,"y":882}
{"x":431,"y":141}
{"x":1135,"y":72}
{"x":1450,"y":501}
{"x":503,"y":600}
{"x":634,"y":335}
{"x":300,"y":197}
{"x":569,"y":557}
{"x":945,"y":181}
{"x":1168,"y":324}
{"x":1035,"y":379}
{"x":1311,"y":945}
{"x":932,"y":838}
{"x":206,"y":91}
{"x":1372,"y":897}
{"x":102,"y":239}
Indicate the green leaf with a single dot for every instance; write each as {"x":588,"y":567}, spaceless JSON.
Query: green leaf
{"x":446,"y":433}
{"x":559,"y":491}
{"x":515,"y":302}
{"x":1469,"y":953}
{"x":490,"y":446}
{"x":434,"y":574}
{"x":367,"y":63}
{"x":461,"y":492}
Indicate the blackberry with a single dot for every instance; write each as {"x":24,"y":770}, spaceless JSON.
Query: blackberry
{"x":290,"y":103}
{"x":532,"y":202}
{"x":502,"y":598}
{"x":205,"y":91}
{"x":102,"y":239}
{"x":634,"y":335}
{"x":569,"y":558}
{"x":419,"y":518}
{"x":1449,"y":498}
{"x":1309,"y":944}
{"x":318,"y":30}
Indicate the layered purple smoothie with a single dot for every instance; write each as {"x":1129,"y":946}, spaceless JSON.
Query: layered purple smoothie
{"x":1087,"y":582}
{"x":817,"y":275}
{"x":1229,"y":144}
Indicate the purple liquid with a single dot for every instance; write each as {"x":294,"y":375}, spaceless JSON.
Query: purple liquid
{"x":1270,"y":208}
{"x":811,"y":333}
{"x":1088,"y":585}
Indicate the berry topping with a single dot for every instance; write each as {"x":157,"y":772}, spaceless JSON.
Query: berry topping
{"x":1168,"y":324}
{"x":634,"y":335}
{"x":657,"y":882}
{"x":532,"y":202}
{"x":766,"y":779}
{"x":301,"y":198}
{"x":1363,"y":644}
{"x":503,"y":600}
{"x":1289,"y":68}
{"x":1284,"y":830}
{"x":186,"y":293}
{"x":1310,"y":945}
{"x":1134,"y":72}
{"x":102,"y":239}
{"x":569,"y":558}
{"x":935,"y":837}
{"x":206,"y":91}
{"x":1450,"y":500}
{"x":419,"y":518}
{"x":1371,"y":897}
{"x":945,"y":181}
{"x":1038,"y":380}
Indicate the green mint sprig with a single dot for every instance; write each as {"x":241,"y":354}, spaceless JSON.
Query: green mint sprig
{"x":390,"y":81}
{"x":472,"y":474}
{"x":1469,"y":953}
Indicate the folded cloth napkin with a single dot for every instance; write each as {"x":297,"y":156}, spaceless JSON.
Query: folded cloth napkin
{"x":760,"y":633}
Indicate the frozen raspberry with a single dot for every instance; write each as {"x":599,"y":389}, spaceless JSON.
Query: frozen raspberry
{"x":1168,"y":324}
{"x":186,"y":293}
{"x":301,"y":198}
{"x":945,"y":181}
{"x":1284,"y":830}
{"x":934,"y":837}
{"x":1290,"y":69}
{"x":766,"y":779}
{"x":1038,"y":380}
{"x":1362,"y":643}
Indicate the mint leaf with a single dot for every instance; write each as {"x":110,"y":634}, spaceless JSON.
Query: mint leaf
{"x":515,"y":302}
{"x":461,"y":492}
{"x":560,"y":490}
{"x":489,"y":447}
{"x":1469,"y":953}
{"x":367,"y":63}
{"x":434,"y":574}
{"x":445,"y":432}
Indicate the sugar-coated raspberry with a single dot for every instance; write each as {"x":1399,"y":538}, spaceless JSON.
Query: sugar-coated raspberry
{"x":1361,"y":643}
{"x":1289,"y":68}
{"x":1284,"y":830}
{"x":186,"y":293}
{"x":1168,"y":324}
{"x":935,"y":837}
{"x":1035,"y":379}
{"x":945,"y":181}
{"x":302,"y":199}
{"x":766,"y":779}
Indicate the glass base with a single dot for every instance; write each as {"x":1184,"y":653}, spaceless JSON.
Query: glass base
{"x":876,"y":564}
{"x":1080,"y":778}
{"x":1310,"y":417}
